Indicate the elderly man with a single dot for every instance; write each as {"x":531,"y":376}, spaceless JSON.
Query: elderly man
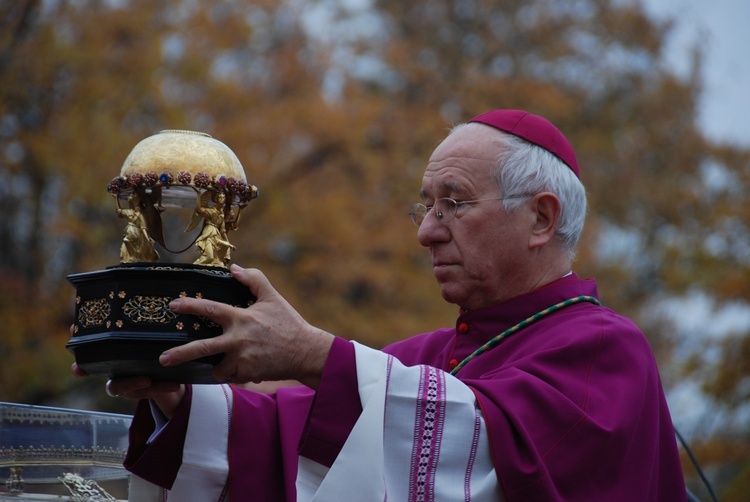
{"x":538,"y":393}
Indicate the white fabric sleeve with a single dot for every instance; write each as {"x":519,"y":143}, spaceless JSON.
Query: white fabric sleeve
{"x":141,"y":490}
{"x":205,"y":459}
{"x":421,"y":436}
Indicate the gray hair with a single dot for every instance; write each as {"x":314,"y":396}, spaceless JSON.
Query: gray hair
{"x":525,"y":168}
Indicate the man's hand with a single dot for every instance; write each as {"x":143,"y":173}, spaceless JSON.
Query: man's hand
{"x":267,"y":341}
{"x":166,"y":395}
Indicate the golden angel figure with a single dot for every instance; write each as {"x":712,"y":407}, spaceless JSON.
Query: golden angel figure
{"x":137,"y":244}
{"x":213,"y":244}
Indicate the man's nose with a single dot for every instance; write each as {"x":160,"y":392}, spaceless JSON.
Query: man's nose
{"x":432,"y":230}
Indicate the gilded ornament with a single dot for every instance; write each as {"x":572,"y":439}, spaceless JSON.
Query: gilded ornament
{"x":151,"y":309}
{"x":93,"y":312}
{"x":213,"y":243}
{"x":137,"y":242}
{"x":193,"y":166}
{"x":209,"y":323}
{"x":173,"y":170}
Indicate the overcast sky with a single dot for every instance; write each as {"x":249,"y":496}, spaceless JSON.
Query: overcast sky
{"x":719,"y":27}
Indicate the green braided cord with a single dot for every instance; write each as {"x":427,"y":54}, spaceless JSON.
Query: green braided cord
{"x":518,"y":327}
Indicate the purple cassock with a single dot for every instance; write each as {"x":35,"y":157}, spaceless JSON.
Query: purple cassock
{"x":571,"y":406}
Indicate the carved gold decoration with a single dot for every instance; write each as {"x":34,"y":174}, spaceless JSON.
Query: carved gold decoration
{"x":137,"y":242}
{"x":223,"y":273}
{"x":93,"y":312}
{"x":181,"y":169}
{"x":153,"y":309}
{"x":208,"y":322}
{"x":213,"y":243}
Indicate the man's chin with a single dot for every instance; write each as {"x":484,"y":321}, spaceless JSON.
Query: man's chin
{"x":450,"y":294}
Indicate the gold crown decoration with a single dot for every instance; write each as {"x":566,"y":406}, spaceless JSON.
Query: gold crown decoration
{"x":174,"y":159}
{"x":122,"y":317}
{"x":181,"y":169}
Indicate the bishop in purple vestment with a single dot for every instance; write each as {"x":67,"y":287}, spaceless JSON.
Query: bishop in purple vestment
{"x":537,"y":393}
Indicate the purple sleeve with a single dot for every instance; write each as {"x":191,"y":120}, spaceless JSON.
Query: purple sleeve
{"x":314,"y":425}
{"x":267,"y":434}
{"x":336,"y":407}
{"x":159,"y":461}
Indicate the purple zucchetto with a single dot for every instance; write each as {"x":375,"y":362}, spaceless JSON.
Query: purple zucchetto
{"x":534,"y":129}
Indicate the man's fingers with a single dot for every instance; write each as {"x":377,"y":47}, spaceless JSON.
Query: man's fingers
{"x":137,"y":387}
{"x":167,"y":395}
{"x":194,"y":350}
{"x":220,"y":313}
{"x":78,"y":371}
{"x":216,"y":311}
{"x":126,"y":386}
{"x":254,"y":279}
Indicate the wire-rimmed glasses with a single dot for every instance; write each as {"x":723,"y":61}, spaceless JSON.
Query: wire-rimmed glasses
{"x":446,"y":208}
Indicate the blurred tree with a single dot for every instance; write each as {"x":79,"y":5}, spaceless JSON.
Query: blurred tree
{"x":334,"y":108}
{"x":76,"y":88}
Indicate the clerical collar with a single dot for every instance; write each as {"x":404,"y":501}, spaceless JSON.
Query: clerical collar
{"x":464,"y":310}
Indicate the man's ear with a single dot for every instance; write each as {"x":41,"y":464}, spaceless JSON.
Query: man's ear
{"x":546,"y":208}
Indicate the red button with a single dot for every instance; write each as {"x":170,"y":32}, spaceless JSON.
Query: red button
{"x":453,"y":363}
{"x":463,"y":328}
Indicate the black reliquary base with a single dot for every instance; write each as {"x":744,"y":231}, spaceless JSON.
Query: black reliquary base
{"x":123,"y":321}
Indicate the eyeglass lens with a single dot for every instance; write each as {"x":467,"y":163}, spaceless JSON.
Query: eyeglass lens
{"x":445,"y":210}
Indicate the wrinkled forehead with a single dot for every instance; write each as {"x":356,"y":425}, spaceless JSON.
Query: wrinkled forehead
{"x":471,"y":140}
{"x":464,"y":163}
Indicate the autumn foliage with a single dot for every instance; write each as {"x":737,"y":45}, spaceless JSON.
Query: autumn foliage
{"x":333,"y":109}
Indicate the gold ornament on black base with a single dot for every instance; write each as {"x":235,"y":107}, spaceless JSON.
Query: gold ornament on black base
{"x":122,"y":316}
